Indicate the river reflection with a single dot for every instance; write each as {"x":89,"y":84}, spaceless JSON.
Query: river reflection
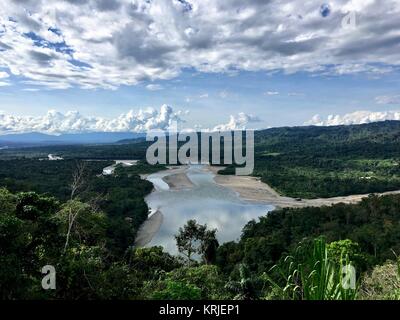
{"x":207,"y":202}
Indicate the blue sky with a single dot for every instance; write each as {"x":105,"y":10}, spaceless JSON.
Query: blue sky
{"x":258,"y":65}
{"x":277,"y":99}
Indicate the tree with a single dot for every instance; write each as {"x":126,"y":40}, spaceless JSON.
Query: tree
{"x":342,"y":250}
{"x":209,"y":248}
{"x":152,"y":261}
{"x":247,"y":287}
{"x":78,"y":179}
{"x":28,"y":240}
{"x":194,"y":238}
{"x":175,"y":290}
{"x":82,"y":223}
{"x":206,"y":277}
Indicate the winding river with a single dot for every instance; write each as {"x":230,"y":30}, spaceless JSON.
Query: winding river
{"x":207,"y":202}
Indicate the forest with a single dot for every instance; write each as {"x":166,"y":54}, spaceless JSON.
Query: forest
{"x":322,"y":162}
{"x":295,"y":254}
{"x":68,"y":215}
{"x":303,"y":162}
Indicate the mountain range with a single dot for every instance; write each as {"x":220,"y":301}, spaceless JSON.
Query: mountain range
{"x":41,"y":139}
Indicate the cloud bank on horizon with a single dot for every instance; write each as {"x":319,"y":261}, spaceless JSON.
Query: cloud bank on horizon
{"x":109,"y":43}
{"x":357,"y":117}
{"x":144,"y":120}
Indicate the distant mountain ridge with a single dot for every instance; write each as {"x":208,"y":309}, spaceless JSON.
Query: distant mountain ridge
{"x":356,"y":131}
{"x":37,"y":138}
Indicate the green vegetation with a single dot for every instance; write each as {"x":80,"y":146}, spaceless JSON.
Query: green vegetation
{"x":312,"y":162}
{"x":312,"y":274}
{"x":74,"y":237}
{"x":195,"y":239}
{"x":374,"y":224}
{"x":382,"y":283}
{"x":50,"y":177}
{"x":68,"y":215}
{"x":301,"y":162}
{"x":82,"y":187}
{"x":118,"y":151}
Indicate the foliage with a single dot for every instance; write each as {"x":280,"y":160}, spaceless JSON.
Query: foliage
{"x":202,"y":282}
{"x":314,"y":162}
{"x":33,"y":232}
{"x":373,"y":224}
{"x":175,"y":290}
{"x":152,"y":262}
{"x":89,"y":226}
{"x":194,"y":239}
{"x":311,"y":275}
{"x":346,"y":251}
{"x":45,"y":177}
{"x":304,"y":162}
{"x":382,"y":283}
{"x":101,"y":220}
{"x":248,"y":287}
{"x":120,"y":196}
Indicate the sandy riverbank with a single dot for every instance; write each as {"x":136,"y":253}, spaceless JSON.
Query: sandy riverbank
{"x":252,"y":189}
{"x":148,"y":229}
{"x":248,"y":188}
{"x":178,"y":181}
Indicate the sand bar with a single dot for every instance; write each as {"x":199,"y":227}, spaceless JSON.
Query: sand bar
{"x":248,"y":188}
{"x":252,"y":189}
{"x":149,"y":229}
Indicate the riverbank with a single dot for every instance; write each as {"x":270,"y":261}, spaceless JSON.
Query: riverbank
{"x":148,"y":229}
{"x":178,"y":181}
{"x":248,"y":188}
{"x":253,"y":189}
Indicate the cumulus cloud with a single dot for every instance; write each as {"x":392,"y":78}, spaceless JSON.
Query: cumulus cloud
{"x":55,"y":122}
{"x":238,"y":122}
{"x":92,"y":43}
{"x":357,"y":117}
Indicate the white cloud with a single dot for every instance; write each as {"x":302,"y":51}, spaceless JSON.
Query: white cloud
{"x":272,"y":93}
{"x":388,"y":99}
{"x":154,"y":87}
{"x":91,"y":43}
{"x":357,"y":117}
{"x":4,"y":84}
{"x":238,"y":122}
{"x":55,"y":122}
{"x":3,"y":75}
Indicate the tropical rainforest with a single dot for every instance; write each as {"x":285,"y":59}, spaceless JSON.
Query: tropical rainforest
{"x":68,"y":215}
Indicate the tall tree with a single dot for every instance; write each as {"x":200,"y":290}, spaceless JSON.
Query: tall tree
{"x":194,"y":238}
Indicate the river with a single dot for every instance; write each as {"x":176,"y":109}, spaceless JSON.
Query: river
{"x":207,"y":202}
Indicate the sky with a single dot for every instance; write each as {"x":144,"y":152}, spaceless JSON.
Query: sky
{"x":133,"y":65}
